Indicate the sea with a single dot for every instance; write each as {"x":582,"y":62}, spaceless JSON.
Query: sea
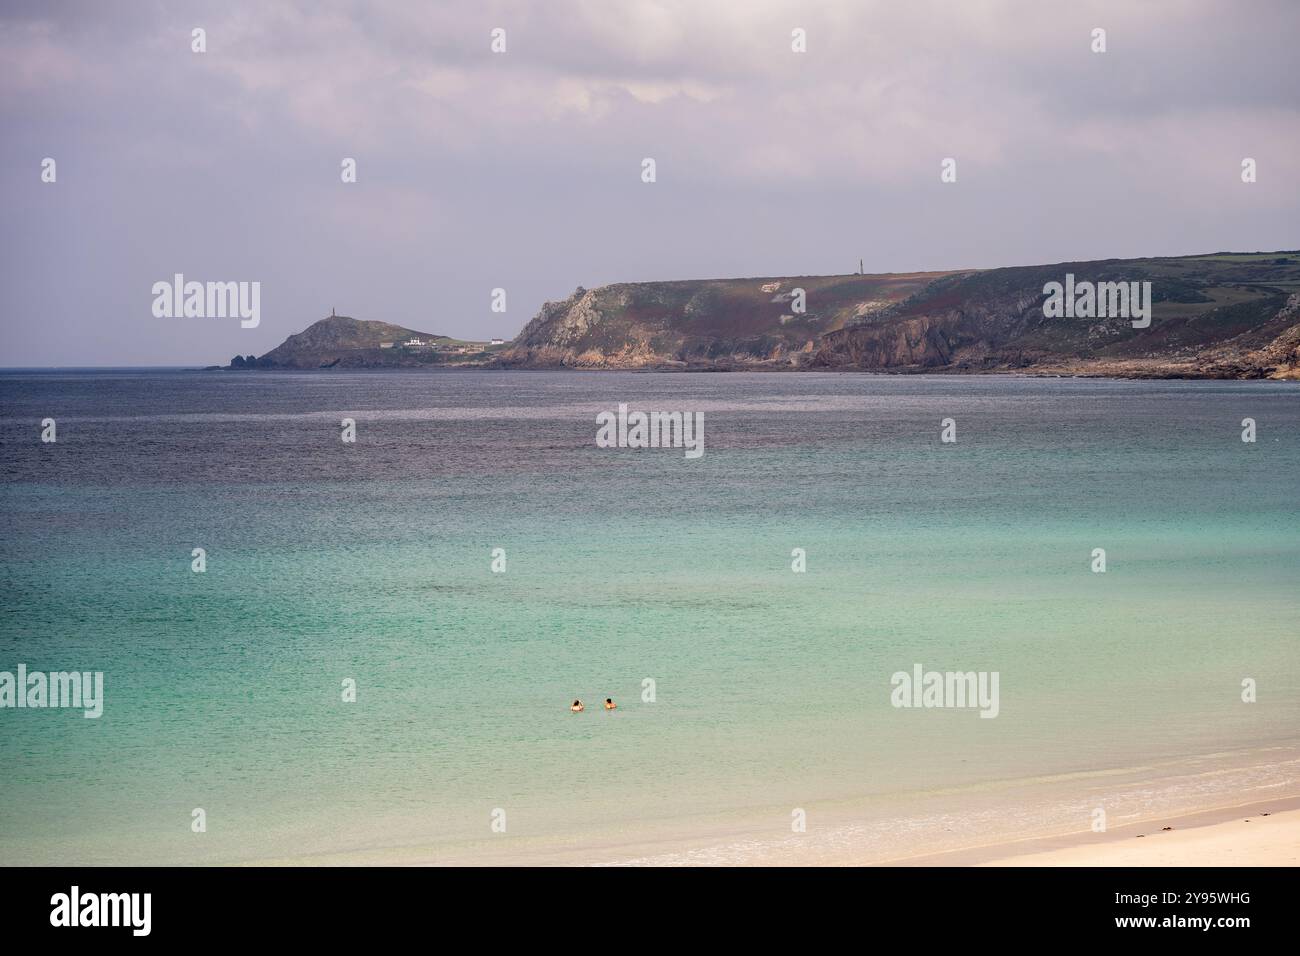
{"x":377,"y":660}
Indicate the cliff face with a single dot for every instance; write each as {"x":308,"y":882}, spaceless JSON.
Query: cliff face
{"x":924,"y":342}
{"x":1225,"y":316}
{"x":717,"y":323}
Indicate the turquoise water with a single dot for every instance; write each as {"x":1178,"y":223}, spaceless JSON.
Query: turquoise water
{"x":372,"y":561}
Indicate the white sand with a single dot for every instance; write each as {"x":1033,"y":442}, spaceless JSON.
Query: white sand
{"x":1272,"y":840}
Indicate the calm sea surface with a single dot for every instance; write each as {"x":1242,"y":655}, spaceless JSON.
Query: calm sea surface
{"x":372,"y":561}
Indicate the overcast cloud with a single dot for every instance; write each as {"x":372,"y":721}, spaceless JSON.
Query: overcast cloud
{"x":522,"y":170}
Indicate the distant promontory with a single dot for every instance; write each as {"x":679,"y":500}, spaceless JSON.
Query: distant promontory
{"x":340,"y":341}
{"x":1223,"y":315}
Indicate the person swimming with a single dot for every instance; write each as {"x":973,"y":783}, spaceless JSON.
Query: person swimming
{"x":577,"y":706}
{"x":609,"y":704}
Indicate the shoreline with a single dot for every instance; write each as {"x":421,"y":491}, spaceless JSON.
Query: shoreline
{"x":1260,"y":833}
{"x":1021,"y":825}
{"x":939,"y":371}
{"x":1046,"y":372}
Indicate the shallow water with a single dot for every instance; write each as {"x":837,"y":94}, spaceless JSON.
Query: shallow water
{"x":372,"y":561}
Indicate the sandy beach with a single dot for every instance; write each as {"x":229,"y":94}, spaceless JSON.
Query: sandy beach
{"x":1258,"y":834}
{"x":1262,"y":833}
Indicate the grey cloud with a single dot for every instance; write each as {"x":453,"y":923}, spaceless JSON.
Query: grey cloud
{"x":523,"y":170}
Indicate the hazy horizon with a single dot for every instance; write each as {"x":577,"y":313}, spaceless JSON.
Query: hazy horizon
{"x":192,"y":365}
{"x":522,"y":169}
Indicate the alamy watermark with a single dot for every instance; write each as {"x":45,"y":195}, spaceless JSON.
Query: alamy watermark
{"x":75,"y":908}
{"x":208,"y":300}
{"x":1098,"y":300}
{"x":39,"y":689}
{"x":626,"y":429}
{"x":922,"y":688}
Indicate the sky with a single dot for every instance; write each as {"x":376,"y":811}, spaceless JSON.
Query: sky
{"x":523,"y":170}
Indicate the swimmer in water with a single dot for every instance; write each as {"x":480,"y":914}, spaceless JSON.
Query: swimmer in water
{"x":577,"y":707}
{"x":610,"y":705}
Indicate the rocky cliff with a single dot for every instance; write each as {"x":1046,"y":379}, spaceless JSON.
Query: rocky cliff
{"x":1226,"y":315}
{"x":1222,"y":315}
{"x":717,"y":323}
{"x":1219,"y":316}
